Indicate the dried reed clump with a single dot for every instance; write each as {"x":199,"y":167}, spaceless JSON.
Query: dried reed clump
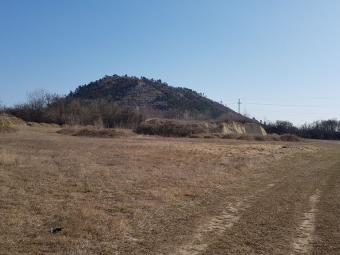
{"x":290,"y":138}
{"x":92,"y":132}
{"x":8,"y":123}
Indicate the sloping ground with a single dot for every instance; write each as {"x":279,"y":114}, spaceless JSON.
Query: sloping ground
{"x":171,"y":127}
{"x":9,"y":123}
{"x":12,"y":120}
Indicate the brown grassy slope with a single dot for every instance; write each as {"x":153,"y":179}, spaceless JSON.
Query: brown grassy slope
{"x":119,"y":196}
{"x":9,"y":123}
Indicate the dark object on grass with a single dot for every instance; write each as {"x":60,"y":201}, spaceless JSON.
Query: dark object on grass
{"x":89,"y":132}
{"x":55,"y":230}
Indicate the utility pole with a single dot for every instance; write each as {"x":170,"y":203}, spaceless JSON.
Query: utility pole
{"x":239,"y":106}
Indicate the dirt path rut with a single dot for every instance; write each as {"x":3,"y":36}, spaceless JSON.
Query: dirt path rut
{"x":303,"y":241}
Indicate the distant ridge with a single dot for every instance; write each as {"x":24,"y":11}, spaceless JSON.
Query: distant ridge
{"x":154,"y":98}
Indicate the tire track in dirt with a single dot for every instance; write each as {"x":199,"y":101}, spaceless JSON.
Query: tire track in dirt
{"x":217,"y":225}
{"x":264,"y":220}
{"x":302,"y":243}
{"x":270,"y":223}
{"x":327,"y":229}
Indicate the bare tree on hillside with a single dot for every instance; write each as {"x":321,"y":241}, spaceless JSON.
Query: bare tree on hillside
{"x":2,"y":107}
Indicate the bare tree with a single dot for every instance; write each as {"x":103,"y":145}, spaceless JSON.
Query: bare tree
{"x":37,"y":99}
{"x":2,"y":107}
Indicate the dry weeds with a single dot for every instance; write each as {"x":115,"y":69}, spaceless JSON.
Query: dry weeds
{"x":9,"y":123}
{"x":92,"y":131}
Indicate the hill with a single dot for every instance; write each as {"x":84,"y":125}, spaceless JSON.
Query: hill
{"x":154,"y":98}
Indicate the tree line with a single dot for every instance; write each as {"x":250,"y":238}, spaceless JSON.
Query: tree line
{"x":44,"y":107}
{"x":323,"y":129}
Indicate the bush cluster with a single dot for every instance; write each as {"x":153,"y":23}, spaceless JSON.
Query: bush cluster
{"x":42,"y":107}
{"x":324,"y":129}
{"x":167,"y":128}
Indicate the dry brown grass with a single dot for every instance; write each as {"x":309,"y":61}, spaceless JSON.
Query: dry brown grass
{"x":12,"y":120}
{"x":129,"y":195}
{"x":267,"y":138}
{"x":6,"y":128}
{"x":9,"y":123}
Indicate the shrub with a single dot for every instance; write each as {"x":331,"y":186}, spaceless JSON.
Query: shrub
{"x":290,"y":138}
{"x":166,"y":127}
{"x":77,"y":112}
{"x":230,"y":136}
{"x":246,"y":137}
{"x":92,"y":132}
{"x":259,"y":138}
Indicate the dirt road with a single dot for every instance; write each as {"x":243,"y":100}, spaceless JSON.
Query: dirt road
{"x":144,"y":195}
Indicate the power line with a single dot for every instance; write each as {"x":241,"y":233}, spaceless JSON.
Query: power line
{"x":279,"y":105}
{"x":284,"y":105}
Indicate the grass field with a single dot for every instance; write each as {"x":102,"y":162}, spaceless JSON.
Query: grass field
{"x":152,"y":195}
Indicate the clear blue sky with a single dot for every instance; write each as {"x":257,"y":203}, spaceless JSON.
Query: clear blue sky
{"x":282,"y":58}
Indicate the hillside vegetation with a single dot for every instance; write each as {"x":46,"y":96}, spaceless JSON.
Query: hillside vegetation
{"x":116,"y":101}
{"x":154,"y":98}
